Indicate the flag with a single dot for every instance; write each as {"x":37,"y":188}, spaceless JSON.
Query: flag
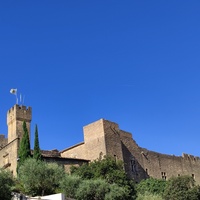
{"x":13,"y":91}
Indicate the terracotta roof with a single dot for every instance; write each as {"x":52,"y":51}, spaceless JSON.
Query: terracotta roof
{"x":81,"y":143}
{"x":50,"y":153}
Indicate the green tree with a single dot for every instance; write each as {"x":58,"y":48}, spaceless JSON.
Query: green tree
{"x":40,"y":178}
{"x":149,"y":196}
{"x":109,"y":170}
{"x":84,"y":171}
{"x":151,"y":186}
{"x":92,"y":190}
{"x":181,"y":188}
{"x":36,"y":152}
{"x":69,"y":185}
{"x":6,"y":184}
{"x":24,"y":148}
{"x":117,"y":193}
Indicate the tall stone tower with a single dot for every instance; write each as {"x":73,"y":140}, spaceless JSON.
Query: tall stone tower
{"x":15,"y":118}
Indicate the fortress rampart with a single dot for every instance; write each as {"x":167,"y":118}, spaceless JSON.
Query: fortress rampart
{"x":8,"y":156}
{"x":105,"y":138}
{"x":101,"y":138}
{"x":3,"y":140}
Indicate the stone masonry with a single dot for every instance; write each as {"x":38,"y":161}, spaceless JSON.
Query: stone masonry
{"x":105,"y":138}
{"x":100,"y":138}
{"x":9,"y":146}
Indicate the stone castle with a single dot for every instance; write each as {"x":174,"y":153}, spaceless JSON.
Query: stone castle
{"x":100,"y":138}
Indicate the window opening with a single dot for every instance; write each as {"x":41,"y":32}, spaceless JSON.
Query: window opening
{"x":163,"y":175}
{"x":193,"y":176}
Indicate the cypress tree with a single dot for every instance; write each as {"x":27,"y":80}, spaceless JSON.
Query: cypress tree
{"x":24,"y":148}
{"x":36,"y":152}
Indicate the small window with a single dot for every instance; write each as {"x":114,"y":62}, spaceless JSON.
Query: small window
{"x":163,"y":175}
{"x":147,"y":171}
{"x":115,"y":158}
{"x":193,"y":176}
{"x":179,"y":175}
{"x":133,"y":167}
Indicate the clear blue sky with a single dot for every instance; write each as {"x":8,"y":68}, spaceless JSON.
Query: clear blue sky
{"x":136,"y":63}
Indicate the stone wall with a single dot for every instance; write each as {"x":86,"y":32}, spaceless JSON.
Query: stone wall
{"x":105,"y":138}
{"x":8,"y":156}
{"x":94,"y":138}
{"x":100,"y":138}
{"x":3,"y":140}
{"x":76,"y":151}
{"x":112,"y":140}
{"x":141,"y":163}
{"x":66,"y":162}
{"x":93,"y":146}
{"x":15,"y":118}
{"x":9,"y":146}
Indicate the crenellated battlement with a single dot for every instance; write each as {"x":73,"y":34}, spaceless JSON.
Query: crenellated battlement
{"x":15,"y":118}
{"x":19,"y":108}
{"x":3,"y":140}
{"x":190,"y":157}
{"x":18,"y":112}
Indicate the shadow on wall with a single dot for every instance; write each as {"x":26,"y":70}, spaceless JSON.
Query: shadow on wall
{"x":132,"y":167}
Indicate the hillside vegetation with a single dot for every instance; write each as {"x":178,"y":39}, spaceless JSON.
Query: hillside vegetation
{"x":102,"y":179}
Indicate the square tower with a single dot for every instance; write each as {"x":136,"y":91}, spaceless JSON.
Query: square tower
{"x":103,"y":138}
{"x":15,"y":118}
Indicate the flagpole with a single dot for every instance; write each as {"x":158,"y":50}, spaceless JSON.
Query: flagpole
{"x":16,"y":98}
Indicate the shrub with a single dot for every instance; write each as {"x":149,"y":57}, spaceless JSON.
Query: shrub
{"x":149,"y":196}
{"x":69,"y":185}
{"x":6,"y":184}
{"x":92,"y":190}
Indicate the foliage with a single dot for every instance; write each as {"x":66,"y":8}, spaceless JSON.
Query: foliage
{"x":182,"y":188}
{"x":73,"y":187}
{"x":107,"y":169}
{"x":149,"y":196}
{"x":69,"y":185}
{"x":6,"y":184}
{"x":152,"y":186}
{"x":84,"y":171}
{"x":24,"y":148}
{"x":40,"y":178}
{"x":92,"y":190}
{"x":118,"y":193}
{"x":36,"y":152}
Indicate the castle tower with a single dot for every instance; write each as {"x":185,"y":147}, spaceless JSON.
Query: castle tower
{"x":103,"y":138}
{"x":15,"y":118}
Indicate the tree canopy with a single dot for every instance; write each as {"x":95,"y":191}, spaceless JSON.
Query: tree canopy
{"x":152,"y":186}
{"x":107,"y":169}
{"x":6,"y":183}
{"x":40,"y":178}
{"x":182,"y":188}
{"x":36,"y":151}
{"x":24,"y":147}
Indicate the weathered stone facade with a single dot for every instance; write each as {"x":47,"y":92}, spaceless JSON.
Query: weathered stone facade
{"x":100,"y":138}
{"x":9,"y":146}
{"x":105,"y":138}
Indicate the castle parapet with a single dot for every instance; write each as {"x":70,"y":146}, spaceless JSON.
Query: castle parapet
{"x":15,"y":118}
{"x":19,"y":112}
{"x":190,"y":157}
{"x":3,"y":140}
